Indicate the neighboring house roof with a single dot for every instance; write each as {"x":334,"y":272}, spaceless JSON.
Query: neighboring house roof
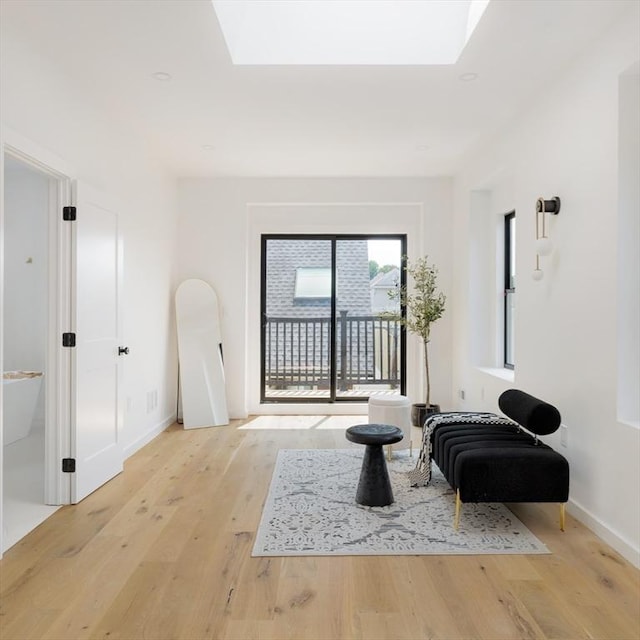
{"x":387,"y":279}
{"x":380,"y":285}
{"x":285,"y":256}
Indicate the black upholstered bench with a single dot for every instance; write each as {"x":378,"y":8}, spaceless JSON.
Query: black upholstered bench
{"x":491,"y":459}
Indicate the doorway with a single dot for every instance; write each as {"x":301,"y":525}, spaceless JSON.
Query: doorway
{"x":29,"y":375}
{"x":61,"y":328}
{"x":323,"y":337}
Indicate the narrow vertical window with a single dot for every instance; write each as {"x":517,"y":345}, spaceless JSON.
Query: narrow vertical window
{"x":509,"y":288}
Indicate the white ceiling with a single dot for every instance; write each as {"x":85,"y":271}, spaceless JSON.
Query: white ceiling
{"x":302,"y":121}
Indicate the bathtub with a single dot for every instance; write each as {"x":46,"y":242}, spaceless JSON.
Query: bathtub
{"x":20,"y":390}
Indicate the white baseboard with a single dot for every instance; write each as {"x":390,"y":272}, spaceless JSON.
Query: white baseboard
{"x":622,"y":546}
{"x":148,"y":436}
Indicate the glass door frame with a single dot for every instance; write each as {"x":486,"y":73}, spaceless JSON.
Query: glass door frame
{"x":334,"y":239}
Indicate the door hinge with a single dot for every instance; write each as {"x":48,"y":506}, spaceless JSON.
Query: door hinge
{"x":69,"y":214}
{"x":68,"y":465}
{"x":68,"y":339}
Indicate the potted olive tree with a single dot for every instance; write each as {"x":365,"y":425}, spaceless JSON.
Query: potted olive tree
{"x":424,"y":305}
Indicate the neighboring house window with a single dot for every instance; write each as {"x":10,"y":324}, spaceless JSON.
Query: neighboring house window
{"x":313,"y":283}
{"x":509,"y":288}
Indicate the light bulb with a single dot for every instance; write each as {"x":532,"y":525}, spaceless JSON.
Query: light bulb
{"x":544,"y":246}
{"x":537,"y":274}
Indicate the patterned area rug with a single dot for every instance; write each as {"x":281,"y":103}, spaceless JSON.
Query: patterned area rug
{"x":311,"y":511}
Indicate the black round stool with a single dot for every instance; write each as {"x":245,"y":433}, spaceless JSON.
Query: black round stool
{"x":374,"y":487}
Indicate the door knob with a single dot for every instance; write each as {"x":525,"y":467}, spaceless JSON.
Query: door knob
{"x":123,"y":351}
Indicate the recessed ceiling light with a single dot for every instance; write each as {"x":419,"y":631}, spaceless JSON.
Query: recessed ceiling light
{"x":468,"y":77}
{"x":162,"y":76}
{"x":207,"y":147}
{"x":347,"y":32}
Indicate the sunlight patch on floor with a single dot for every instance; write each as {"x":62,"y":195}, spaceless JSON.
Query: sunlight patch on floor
{"x":303,"y":422}
{"x":342,"y":422}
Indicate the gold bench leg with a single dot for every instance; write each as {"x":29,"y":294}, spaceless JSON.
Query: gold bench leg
{"x":562,"y":515}
{"x":456,"y":519}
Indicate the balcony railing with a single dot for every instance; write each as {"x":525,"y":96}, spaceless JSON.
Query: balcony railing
{"x":297,"y":352}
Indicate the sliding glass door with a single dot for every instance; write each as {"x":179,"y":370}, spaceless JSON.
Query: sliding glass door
{"x":323,"y":339}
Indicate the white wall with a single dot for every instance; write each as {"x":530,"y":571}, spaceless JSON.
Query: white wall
{"x":565,"y":144}
{"x":40,"y":106}
{"x":220,"y":225}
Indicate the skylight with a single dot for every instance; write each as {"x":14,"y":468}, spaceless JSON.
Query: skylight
{"x":347,"y":32}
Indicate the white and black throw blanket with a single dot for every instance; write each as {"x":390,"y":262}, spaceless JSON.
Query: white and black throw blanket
{"x":421,"y":475}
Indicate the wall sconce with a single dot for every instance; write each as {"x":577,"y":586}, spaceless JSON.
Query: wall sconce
{"x":544,"y":246}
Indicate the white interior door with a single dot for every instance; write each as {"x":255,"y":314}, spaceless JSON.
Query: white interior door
{"x":96,"y":412}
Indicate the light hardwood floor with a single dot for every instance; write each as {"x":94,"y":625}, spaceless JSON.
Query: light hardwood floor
{"x":163,"y":552}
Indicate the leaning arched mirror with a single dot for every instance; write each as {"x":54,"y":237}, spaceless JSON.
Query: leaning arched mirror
{"x":202,"y":382}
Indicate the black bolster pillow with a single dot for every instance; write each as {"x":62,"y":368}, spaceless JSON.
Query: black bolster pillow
{"x":534,"y":415}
